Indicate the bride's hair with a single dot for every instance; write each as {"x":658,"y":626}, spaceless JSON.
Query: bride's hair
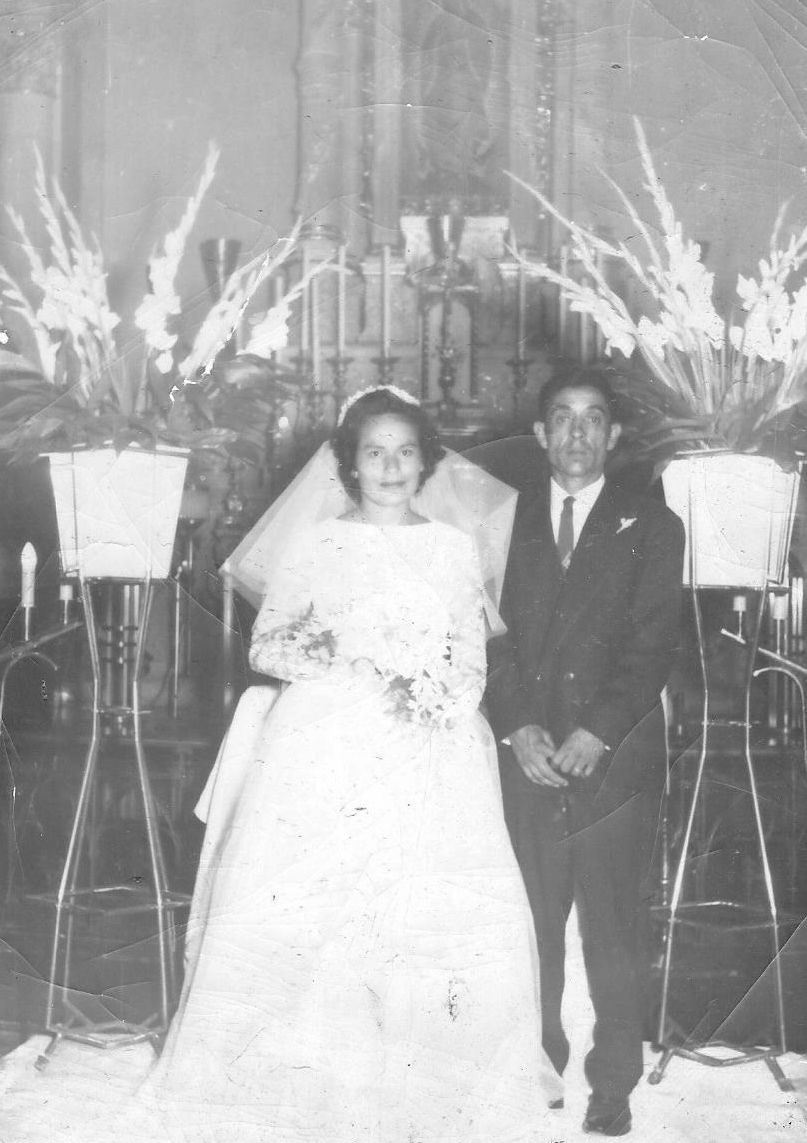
{"x":383,"y":403}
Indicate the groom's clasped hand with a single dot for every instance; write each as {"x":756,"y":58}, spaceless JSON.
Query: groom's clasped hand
{"x":547,"y":765}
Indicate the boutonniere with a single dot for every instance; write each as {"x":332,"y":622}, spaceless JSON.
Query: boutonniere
{"x":625,"y":522}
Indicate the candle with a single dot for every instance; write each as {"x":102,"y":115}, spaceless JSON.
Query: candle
{"x":586,"y":330}
{"x":304,"y":307}
{"x":385,"y":301}
{"x":65,"y":599}
{"x":277,"y":297}
{"x":340,"y":302}
{"x":779,"y":607}
{"x":521,"y":310}
{"x":315,"y":341}
{"x":562,"y":302}
{"x":28,"y":561}
{"x":797,"y":591}
{"x":599,"y":337}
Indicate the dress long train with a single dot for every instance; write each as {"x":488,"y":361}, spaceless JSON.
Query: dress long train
{"x":361,"y":963}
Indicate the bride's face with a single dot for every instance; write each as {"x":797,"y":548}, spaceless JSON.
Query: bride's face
{"x":388,"y":461}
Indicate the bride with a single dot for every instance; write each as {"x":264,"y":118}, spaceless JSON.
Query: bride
{"x":360,"y":957}
{"x":361,"y":963}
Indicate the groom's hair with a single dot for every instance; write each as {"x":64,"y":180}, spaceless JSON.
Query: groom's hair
{"x":383,"y":403}
{"x":599,"y":377}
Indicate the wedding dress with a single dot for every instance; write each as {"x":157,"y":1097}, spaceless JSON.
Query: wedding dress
{"x":360,"y":962}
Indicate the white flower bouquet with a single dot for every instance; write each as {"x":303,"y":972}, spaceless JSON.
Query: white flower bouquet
{"x":80,"y":386}
{"x":406,"y":676}
{"x":709,"y":381}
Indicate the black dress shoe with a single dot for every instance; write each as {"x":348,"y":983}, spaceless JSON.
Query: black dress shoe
{"x":607,"y":1117}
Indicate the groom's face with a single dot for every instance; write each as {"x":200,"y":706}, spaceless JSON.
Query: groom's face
{"x":578,"y":435}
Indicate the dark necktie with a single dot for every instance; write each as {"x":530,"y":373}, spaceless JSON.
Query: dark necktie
{"x":566,"y":532}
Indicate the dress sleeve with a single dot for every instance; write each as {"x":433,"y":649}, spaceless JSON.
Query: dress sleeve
{"x":290,"y":639}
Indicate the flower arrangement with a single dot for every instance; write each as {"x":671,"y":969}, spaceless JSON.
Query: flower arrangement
{"x":302,"y":639}
{"x":715,"y":382}
{"x":418,"y":698}
{"x":305,"y":642}
{"x":81,"y":386}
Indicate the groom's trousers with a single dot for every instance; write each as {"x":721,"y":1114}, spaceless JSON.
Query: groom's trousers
{"x":568,"y":853}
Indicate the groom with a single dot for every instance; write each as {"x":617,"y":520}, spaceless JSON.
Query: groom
{"x":591,"y":602}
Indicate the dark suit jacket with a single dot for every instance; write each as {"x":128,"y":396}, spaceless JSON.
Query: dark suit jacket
{"x":592,"y":648}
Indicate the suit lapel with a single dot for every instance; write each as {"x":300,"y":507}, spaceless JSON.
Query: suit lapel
{"x":599,"y":527}
{"x":542,"y":574}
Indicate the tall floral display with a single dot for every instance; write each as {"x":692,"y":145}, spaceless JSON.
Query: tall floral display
{"x":705,"y":387}
{"x":116,"y":417}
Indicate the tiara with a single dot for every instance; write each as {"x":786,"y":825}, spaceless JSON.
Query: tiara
{"x":401,"y":394}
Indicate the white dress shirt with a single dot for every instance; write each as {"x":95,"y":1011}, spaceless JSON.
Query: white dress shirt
{"x":584,"y":501}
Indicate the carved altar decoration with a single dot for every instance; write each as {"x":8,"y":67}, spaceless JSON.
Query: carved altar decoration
{"x":456,"y":106}
{"x":411,"y":116}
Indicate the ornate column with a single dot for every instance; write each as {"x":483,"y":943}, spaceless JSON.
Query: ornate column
{"x":328,"y":70}
{"x":561,"y":176}
{"x":532,"y":78}
{"x":354,"y":214}
{"x":385,"y":97}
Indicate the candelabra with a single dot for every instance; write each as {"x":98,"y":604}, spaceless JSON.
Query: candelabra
{"x":520,"y":367}
{"x":339,"y":364}
{"x":385,"y":365}
{"x":448,"y":280}
{"x":230,"y":524}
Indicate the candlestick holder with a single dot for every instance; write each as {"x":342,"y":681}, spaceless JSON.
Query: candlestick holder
{"x":447,"y":376}
{"x":521,"y":368}
{"x":315,"y":411}
{"x":339,"y":365}
{"x":386,"y":368}
{"x":219,"y":259}
{"x":303,"y":368}
{"x":272,"y":462}
{"x":229,"y":523}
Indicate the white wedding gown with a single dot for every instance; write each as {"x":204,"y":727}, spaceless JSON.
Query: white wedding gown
{"x":361,"y":963}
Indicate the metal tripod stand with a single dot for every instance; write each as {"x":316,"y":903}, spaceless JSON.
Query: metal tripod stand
{"x":726,"y":913}
{"x":81,"y":889}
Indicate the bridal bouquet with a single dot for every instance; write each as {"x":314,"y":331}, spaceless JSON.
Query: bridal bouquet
{"x":419,"y":698}
{"x":80,"y":384}
{"x":410,"y":683}
{"x":303,"y":639}
{"x":709,"y":380}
